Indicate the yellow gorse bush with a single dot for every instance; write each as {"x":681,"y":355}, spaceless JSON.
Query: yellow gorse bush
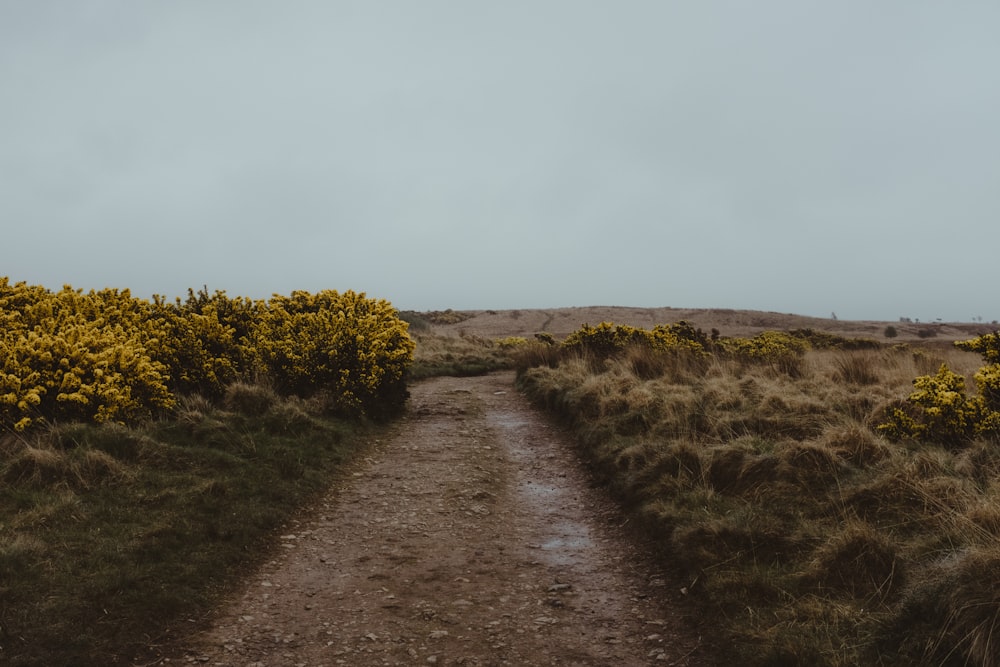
{"x":353,"y":348}
{"x":71,"y":356}
{"x":767,"y":346}
{"x":608,"y":338}
{"x":511,"y":342}
{"x":782,"y":350}
{"x":108,"y":356}
{"x":938,"y":409}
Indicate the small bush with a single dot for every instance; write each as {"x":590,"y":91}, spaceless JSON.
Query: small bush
{"x":782,"y":351}
{"x":939,"y":411}
{"x":823,"y":340}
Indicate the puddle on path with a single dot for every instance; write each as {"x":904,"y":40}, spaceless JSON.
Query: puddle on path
{"x":563,"y":536}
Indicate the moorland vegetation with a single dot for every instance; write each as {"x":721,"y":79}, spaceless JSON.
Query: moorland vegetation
{"x":825,"y":507}
{"x":828,"y":500}
{"x":148,"y":449}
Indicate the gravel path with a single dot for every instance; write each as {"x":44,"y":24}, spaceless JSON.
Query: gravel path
{"x":470,"y":537}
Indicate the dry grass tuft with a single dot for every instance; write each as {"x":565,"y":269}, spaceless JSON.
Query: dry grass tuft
{"x":42,"y":466}
{"x":811,"y":464}
{"x":860,"y":562}
{"x":249,"y":399}
{"x":36,"y":466}
{"x":856,"y":444}
{"x":289,"y":417}
{"x":725,"y":469}
{"x":858,"y":367}
{"x":951,"y":616}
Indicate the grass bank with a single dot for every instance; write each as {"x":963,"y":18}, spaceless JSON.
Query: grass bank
{"x":459,"y":356}
{"x":112,"y":538}
{"x":805,"y":536}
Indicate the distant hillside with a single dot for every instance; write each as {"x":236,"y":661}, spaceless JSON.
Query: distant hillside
{"x":562,"y":321}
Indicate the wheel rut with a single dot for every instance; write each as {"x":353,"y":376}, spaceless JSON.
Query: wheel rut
{"x":468,"y":537}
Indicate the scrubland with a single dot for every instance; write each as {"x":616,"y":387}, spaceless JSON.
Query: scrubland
{"x":822,"y":505}
{"x":826,"y":500}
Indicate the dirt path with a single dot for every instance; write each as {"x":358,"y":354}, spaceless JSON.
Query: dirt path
{"x":470,"y":537}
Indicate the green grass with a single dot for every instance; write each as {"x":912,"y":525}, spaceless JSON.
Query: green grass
{"x":111,"y":538}
{"x":802,"y":535}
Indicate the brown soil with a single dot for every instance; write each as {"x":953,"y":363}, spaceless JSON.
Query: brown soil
{"x":470,"y":537}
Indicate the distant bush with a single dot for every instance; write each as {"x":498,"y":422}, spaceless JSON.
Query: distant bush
{"x":776,"y":348}
{"x":607,"y":339}
{"x":512,"y":342}
{"x":448,"y":316}
{"x":822,"y":340}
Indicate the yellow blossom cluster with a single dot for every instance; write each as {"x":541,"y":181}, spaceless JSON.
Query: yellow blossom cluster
{"x":938,"y":409}
{"x":766,"y":347}
{"x":106,"y":355}
{"x":608,"y":338}
{"x":354,"y":349}
{"x":71,"y":356}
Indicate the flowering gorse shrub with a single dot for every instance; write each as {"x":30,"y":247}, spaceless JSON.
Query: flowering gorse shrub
{"x":768,"y":346}
{"x":354,"y":349}
{"x":607,"y":339}
{"x":775,"y":348}
{"x":939,"y":411}
{"x":206,"y":340}
{"x":988,"y":377}
{"x":72,"y":356}
{"x":107,"y":356}
{"x":987,"y":345}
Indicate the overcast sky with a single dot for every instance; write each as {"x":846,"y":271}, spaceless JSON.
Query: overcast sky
{"x":795,"y":156}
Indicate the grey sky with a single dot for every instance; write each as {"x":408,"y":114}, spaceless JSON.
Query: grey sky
{"x":797,"y":156}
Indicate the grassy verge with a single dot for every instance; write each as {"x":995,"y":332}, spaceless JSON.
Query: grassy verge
{"x":111,"y":538}
{"x":802,"y":534}
{"x":458,"y":356}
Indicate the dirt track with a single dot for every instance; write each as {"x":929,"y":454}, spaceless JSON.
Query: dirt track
{"x":470,"y":537}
